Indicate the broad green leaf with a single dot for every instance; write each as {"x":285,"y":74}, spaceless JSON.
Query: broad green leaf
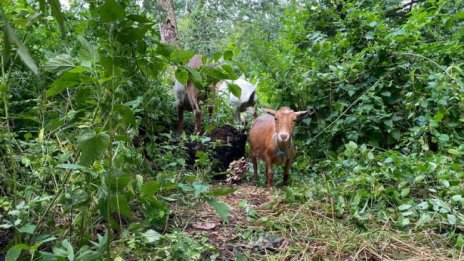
{"x":15,"y":251}
{"x":139,"y":18}
{"x":119,"y":204}
{"x":199,"y":188}
{"x":423,"y":205}
{"x":151,"y":236}
{"x":195,"y":75}
{"x":459,"y":242}
{"x":229,"y":72}
{"x":405,"y":192}
{"x":69,"y":249}
{"x":165,"y":49}
{"x":228,"y":55}
{"x":180,"y":56}
{"x":55,"y":6}
{"x":68,"y":79}
{"x":92,"y":146}
{"x":131,"y":34}
{"x":234,"y":89}
{"x":451,"y":219}
{"x":111,"y":11}
{"x":443,"y":138}
{"x":28,"y":229}
{"x":455,"y":152}
{"x":405,"y":222}
{"x":221,"y":208}
{"x":182,"y":76}
{"x":151,"y":187}
{"x":87,"y":51}
{"x":59,"y":64}
{"x":124,"y":116}
{"x":457,"y":198}
{"x":21,"y":49}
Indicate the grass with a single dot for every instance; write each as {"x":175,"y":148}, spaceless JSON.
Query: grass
{"x":311,"y":233}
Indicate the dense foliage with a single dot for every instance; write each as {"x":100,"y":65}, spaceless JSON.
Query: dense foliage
{"x":89,"y":169}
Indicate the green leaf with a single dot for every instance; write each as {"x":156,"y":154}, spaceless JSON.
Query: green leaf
{"x":234,"y":89}
{"x":69,"y":79}
{"x":423,"y":205}
{"x":221,"y":191}
{"x":240,"y":257}
{"x":139,"y":18}
{"x":111,"y":11}
{"x":199,"y":188}
{"x":227,"y":55}
{"x":28,"y":229}
{"x":455,"y":152}
{"x":55,"y":6}
{"x":457,"y":198}
{"x":151,"y":187}
{"x":119,"y":204}
{"x":443,"y":138}
{"x":405,"y":192}
{"x":195,"y":76}
{"x":70,"y":166}
{"x":21,"y":49}
{"x":181,"y":56}
{"x":229,"y":72}
{"x":221,"y":208}
{"x":131,"y":34}
{"x":69,"y":249}
{"x":459,"y":242}
{"x":92,"y":146}
{"x":165,"y":49}
{"x":15,"y":251}
{"x":404,"y":207}
{"x":151,"y":236}
{"x":451,"y":219}
{"x":182,"y":76}
{"x":59,"y":64}
{"x":405,"y":222}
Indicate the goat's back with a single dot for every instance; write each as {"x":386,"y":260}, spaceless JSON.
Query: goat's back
{"x":261,"y":136}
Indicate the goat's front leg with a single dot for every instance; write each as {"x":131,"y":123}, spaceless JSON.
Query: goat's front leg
{"x":254,"y":160}
{"x":180,"y":118}
{"x":269,"y":173}
{"x":286,"y":171}
{"x":197,"y":122}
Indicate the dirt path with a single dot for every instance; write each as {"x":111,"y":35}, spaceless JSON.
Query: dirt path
{"x":226,"y":237}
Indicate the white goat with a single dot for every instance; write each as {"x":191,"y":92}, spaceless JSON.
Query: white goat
{"x":247,"y":98}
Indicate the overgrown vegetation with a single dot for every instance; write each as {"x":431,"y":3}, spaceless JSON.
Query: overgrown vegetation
{"x":91,"y":167}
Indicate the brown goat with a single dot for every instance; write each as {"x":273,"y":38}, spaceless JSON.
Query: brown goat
{"x":188,"y":98}
{"x":270,"y":139}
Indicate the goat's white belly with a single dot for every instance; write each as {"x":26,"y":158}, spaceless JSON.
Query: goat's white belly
{"x":246,"y":90}
{"x":179,"y":90}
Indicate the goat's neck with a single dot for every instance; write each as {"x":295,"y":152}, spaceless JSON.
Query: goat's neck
{"x":282,"y":147}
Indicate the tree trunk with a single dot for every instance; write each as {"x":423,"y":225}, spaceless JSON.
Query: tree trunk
{"x":168,"y":29}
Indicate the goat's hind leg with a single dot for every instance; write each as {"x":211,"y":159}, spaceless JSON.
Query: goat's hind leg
{"x":180,"y":119}
{"x":254,"y":160}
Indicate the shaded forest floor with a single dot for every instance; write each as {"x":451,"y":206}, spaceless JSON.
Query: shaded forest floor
{"x":262,"y":226}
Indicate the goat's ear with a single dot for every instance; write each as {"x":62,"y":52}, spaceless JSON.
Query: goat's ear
{"x":272,"y":112}
{"x":300,"y":114}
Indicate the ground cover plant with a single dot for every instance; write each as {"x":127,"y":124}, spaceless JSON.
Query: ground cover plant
{"x":92,"y":168}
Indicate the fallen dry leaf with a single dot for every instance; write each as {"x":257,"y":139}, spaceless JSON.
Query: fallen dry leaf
{"x":207,"y":226}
